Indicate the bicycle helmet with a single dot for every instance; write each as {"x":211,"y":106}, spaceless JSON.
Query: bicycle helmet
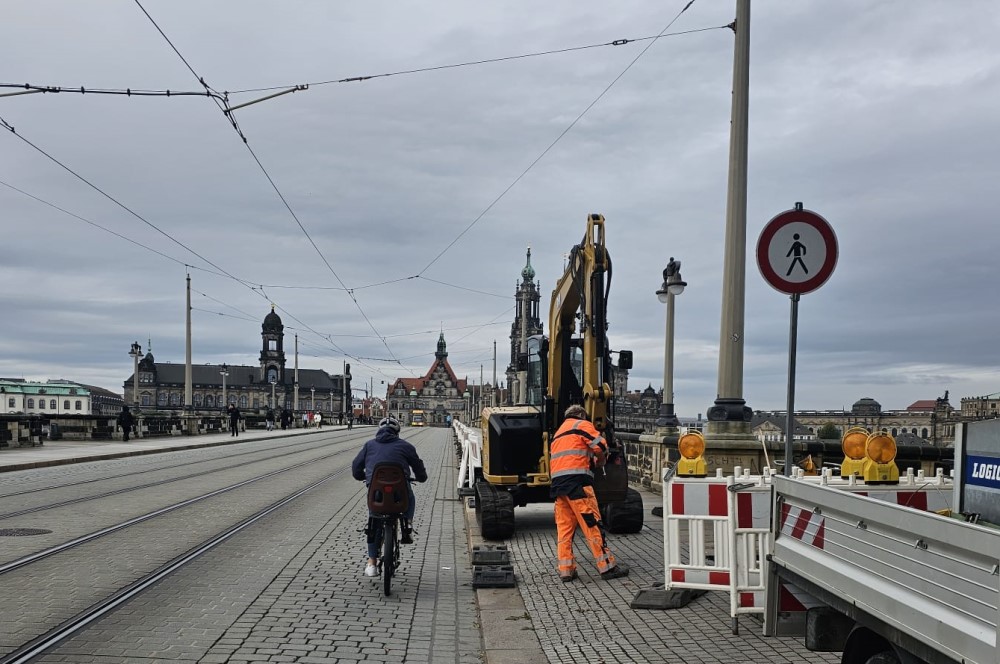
{"x":390,"y":423}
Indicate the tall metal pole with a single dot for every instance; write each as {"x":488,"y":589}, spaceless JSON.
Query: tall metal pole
{"x":295,"y":389}
{"x":493,"y":392}
{"x":730,"y":415}
{"x":135,"y":353}
{"x":188,"y":386}
{"x":793,"y":328}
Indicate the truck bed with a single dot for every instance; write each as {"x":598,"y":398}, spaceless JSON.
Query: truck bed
{"x":927,"y":582}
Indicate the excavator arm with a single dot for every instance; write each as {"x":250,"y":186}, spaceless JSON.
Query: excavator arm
{"x":578,"y":358}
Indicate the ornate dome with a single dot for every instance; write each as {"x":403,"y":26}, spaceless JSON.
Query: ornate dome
{"x":528,"y":273}
{"x":272,"y":322}
{"x":866,"y":406}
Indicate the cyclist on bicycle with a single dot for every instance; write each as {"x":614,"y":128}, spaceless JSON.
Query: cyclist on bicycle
{"x":387,"y":446}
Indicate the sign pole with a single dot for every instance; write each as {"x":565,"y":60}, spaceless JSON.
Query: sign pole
{"x":793,"y":331}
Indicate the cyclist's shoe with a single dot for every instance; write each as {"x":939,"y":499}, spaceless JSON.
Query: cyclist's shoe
{"x":616,"y":572}
{"x":370,"y":570}
{"x":407,"y":536}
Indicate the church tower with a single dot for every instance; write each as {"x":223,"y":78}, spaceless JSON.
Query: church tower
{"x":527,"y":295}
{"x":272,"y":354}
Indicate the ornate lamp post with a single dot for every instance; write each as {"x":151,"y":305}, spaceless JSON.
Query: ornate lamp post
{"x":224,"y":371}
{"x":273,"y":383}
{"x":666,"y":423}
{"x":135,"y":352}
{"x":312,"y":403}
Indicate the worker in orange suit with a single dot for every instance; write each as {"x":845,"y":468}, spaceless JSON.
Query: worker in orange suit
{"x":577,"y":449}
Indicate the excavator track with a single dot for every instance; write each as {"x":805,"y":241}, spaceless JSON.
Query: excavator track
{"x":494,"y":511}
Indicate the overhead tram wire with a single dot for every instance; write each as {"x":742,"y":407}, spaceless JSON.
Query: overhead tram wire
{"x":558,"y":138}
{"x":108,"y":230}
{"x":114,"y":200}
{"x":226,"y":111}
{"x":472,"y":63}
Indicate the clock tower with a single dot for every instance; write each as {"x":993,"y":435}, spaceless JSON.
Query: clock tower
{"x":272,"y":354}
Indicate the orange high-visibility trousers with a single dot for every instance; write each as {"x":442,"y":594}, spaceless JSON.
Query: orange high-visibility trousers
{"x":584,"y":514}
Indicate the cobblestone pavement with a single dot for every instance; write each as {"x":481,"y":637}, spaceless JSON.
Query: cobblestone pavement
{"x":293,"y":591}
{"x":589,"y":620}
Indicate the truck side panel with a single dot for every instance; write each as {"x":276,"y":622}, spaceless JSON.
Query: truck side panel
{"x":931,"y":581}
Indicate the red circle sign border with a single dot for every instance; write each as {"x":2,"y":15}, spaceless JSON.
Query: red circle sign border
{"x":781,"y":220}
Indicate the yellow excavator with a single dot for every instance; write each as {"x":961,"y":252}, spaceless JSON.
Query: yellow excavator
{"x":571,"y":366}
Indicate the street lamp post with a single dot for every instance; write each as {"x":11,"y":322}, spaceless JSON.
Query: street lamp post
{"x":135,"y":352}
{"x":224,"y":371}
{"x":673,"y":284}
{"x":312,"y":403}
{"x":273,"y":383}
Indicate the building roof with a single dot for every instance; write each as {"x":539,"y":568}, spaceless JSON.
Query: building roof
{"x":922,"y":404}
{"x":759,"y":418}
{"x":55,"y":389}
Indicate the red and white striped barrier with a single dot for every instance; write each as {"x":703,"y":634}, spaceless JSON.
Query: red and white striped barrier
{"x":728,"y":520}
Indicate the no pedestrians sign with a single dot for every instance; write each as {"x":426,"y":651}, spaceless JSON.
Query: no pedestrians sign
{"x":797,"y":251}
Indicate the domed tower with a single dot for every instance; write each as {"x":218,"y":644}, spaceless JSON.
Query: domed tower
{"x":442,"y":349}
{"x":272,"y":354}
{"x":526,"y":321}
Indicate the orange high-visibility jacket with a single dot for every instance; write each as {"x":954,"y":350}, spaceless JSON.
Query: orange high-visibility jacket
{"x":574,"y":447}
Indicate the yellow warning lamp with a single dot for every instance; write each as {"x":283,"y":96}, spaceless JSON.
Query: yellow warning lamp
{"x":853,"y":443}
{"x":692,"y":448}
{"x":879,"y":465}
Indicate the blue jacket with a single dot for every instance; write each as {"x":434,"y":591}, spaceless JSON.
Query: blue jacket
{"x":386,"y":446}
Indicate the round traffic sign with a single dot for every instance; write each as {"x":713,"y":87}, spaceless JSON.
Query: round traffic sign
{"x":797,"y":251}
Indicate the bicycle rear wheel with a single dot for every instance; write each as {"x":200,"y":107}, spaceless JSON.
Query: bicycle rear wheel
{"x":388,"y":554}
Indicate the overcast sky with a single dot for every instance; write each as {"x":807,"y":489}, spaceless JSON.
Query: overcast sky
{"x":882,"y":117}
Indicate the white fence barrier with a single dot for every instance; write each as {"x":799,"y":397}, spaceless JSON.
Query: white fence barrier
{"x":728,"y":523}
{"x":470,"y":441}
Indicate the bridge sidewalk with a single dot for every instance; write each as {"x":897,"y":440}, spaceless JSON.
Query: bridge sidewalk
{"x":59,"y":452}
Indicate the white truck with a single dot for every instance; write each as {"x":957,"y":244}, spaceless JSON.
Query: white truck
{"x":889,"y":584}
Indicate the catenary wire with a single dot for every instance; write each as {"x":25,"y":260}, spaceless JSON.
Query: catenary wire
{"x":224,"y":107}
{"x":471,"y":63}
{"x":553,"y":143}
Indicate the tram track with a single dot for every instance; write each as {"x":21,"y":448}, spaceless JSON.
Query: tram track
{"x":224,"y":457}
{"x":44,"y":642}
{"x":129,"y":577}
{"x":299,"y":449}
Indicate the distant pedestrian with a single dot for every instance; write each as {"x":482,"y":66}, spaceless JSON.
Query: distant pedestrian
{"x":286,"y":419}
{"x":318,"y":419}
{"x":234,"y":419}
{"x":577,"y":449}
{"x":269,"y":419}
{"x":125,"y":421}
{"x":305,"y":420}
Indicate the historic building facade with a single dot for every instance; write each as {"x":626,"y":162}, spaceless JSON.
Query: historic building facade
{"x":50,"y":398}
{"x":433,"y":399}
{"x":250,"y":388}
{"x":526,"y":322}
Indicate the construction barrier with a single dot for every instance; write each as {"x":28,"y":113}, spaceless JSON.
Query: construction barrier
{"x":470,"y":443}
{"x":729,"y":530}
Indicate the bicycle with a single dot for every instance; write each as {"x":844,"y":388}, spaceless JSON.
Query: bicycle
{"x":388,"y":501}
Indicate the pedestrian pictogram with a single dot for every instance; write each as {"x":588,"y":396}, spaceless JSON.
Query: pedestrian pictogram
{"x":797,"y":251}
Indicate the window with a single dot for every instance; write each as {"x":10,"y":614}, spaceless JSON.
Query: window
{"x":197,"y":401}
{"x":66,"y":404}
{"x":923,"y":432}
{"x":209,"y":401}
{"x":161,"y":399}
{"x":243,"y":402}
{"x":10,"y":402}
{"x":79,"y":405}
{"x":894,"y":431}
{"x":31,"y":403}
{"x":52,"y":404}
{"x":256,"y":403}
{"x":146,"y":399}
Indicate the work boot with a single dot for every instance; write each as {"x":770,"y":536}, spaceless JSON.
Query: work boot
{"x":572,"y":576}
{"x":616,"y":572}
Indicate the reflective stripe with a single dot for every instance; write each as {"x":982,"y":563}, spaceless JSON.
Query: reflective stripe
{"x":584,"y":453}
{"x":572,"y":471}
{"x":603,"y":558}
{"x":565,"y":562}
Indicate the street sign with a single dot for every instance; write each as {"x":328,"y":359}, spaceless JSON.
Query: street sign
{"x":797,"y":251}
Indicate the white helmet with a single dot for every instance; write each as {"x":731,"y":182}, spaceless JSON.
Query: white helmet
{"x":390,"y":423}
